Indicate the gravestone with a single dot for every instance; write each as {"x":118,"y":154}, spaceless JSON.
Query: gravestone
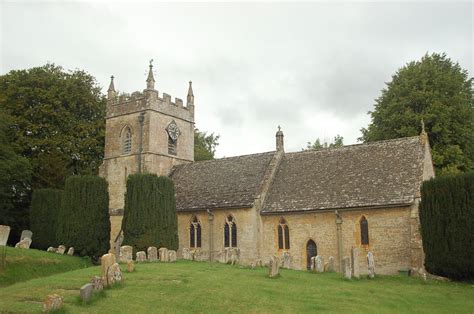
{"x":228,"y":255}
{"x":114,"y":274}
{"x":234,"y":256}
{"x":313,"y":263}
{"x":273,"y":267}
{"x":106,"y":261}
{"x":223,"y":256}
{"x":330,"y":264}
{"x":346,"y":267}
{"x":186,"y":254}
{"x":163,"y":254}
{"x":355,"y":262}
{"x":140,"y":257}
{"x":24,"y":244}
{"x":196,"y":255}
{"x":152,"y":253}
{"x":86,"y":292}
{"x":4,"y":233}
{"x":130,"y":266}
{"x":286,"y":260}
{"x":171,"y":256}
{"x":52,"y":249}
{"x":258,"y":263}
{"x":61,"y":249}
{"x":97,"y":283}
{"x":319,"y":266}
{"x":26,"y":234}
{"x":371,"y":264}
{"x":126,"y":253}
{"x":70,"y":252}
{"x":53,"y":302}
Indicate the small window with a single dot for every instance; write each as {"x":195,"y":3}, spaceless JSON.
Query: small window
{"x":127,"y":141}
{"x":172,"y":146}
{"x":283,"y":235}
{"x":230,"y":232}
{"x":195,"y":233}
{"x":364,"y":231}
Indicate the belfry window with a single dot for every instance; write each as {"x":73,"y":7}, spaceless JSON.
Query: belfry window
{"x":364,"y":231}
{"x":195,"y":233}
{"x":127,"y":141}
{"x":172,"y":146}
{"x":283,"y":235}
{"x":230,"y":232}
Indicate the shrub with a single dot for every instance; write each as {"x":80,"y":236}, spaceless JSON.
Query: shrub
{"x":83,"y":221}
{"x":45,"y":205}
{"x":150,"y":213}
{"x":447,"y":220}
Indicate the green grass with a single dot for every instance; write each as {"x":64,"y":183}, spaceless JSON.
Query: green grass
{"x":21,"y":264}
{"x":202,"y":287}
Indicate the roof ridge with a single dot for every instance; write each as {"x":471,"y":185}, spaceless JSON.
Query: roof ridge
{"x":231,"y":157}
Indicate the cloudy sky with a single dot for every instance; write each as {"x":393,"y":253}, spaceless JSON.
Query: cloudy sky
{"x":313,"y":68}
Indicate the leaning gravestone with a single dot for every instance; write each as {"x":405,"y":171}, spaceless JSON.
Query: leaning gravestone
{"x":152,"y":253}
{"x":61,"y":249}
{"x":164,"y":255}
{"x":371,"y":264}
{"x":346,"y":267}
{"x":319,"y":267}
{"x":114,"y":274}
{"x":52,"y":302}
{"x":26,"y":234}
{"x":106,"y":261}
{"x":24,"y":244}
{"x":355,"y":262}
{"x":286,"y":260}
{"x":171,"y":256}
{"x":330,"y":264}
{"x":86,"y":292}
{"x":4,"y":233}
{"x":70,"y":252}
{"x":126,"y":253}
{"x":273,"y":267}
{"x":97,"y":283}
{"x":141,"y":257}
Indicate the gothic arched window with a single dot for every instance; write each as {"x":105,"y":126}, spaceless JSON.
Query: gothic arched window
{"x":195,"y":233}
{"x":126,"y":140}
{"x":230,"y":232}
{"x":364,"y":231}
{"x":283,"y":235}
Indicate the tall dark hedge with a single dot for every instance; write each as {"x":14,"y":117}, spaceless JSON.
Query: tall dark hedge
{"x":447,"y":225}
{"x":83,"y":221}
{"x":45,"y":205}
{"x":150,"y":213}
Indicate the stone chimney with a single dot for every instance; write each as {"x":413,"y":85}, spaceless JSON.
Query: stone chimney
{"x":279,"y":140}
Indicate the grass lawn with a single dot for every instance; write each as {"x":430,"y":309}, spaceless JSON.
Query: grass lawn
{"x":24,"y":264}
{"x":203,"y":287}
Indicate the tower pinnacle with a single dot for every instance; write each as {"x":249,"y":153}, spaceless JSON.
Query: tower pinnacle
{"x":190,"y":98}
{"x":111,"y":90}
{"x":150,"y":81}
{"x":279,"y":140}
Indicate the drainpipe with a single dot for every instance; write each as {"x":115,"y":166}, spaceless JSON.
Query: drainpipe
{"x":339,"y":238}
{"x":211,"y":238}
{"x":141,"y":119}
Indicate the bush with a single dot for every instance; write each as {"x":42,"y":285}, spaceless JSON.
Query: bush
{"x":83,"y":221}
{"x":150,"y":213}
{"x":447,"y":220}
{"x":45,"y":205}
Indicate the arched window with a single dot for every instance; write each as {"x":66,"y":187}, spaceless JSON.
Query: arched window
{"x":230,"y":232}
{"x":364,"y":231}
{"x":283,"y":235}
{"x":195,"y":233}
{"x":172,"y":146}
{"x":127,"y":140}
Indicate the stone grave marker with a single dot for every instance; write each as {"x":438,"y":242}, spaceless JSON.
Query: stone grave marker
{"x":51,"y":249}
{"x":371,"y":264}
{"x":70,"y":252}
{"x":53,"y":302}
{"x":234,"y":256}
{"x":24,"y":244}
{"x":86,"y":292}
{"x":141,"y":257}
{"x":346,"y":267}
{"x":186,"y":254}
{"x":130,"y":266}
{"x":126,"y":253}
{"x":313,"y":263}
{"x":330,"y":267}
{"x":106,"y":261}
{"x":163,"y":254}
{"x":319,"y":266}
{"x":152,"y":253}
{"x":171,"y":256}
{"x":286,"y":260}
{"x":273,"y":267}
{"x":114,"y":274}
{"x":355,"y":262}
{"x":61,"y":249}
{"x":26,"y":234}
{"x":4,"y":234}
{"x":97,"y":283}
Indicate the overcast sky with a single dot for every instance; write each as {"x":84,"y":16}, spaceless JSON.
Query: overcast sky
{"x":313,"y":68}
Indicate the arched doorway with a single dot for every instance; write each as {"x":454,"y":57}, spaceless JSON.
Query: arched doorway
{"x":311,"y":250}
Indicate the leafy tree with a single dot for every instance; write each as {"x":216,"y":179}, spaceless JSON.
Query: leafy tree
{"x":204,"y":145}
{"x":338,"y":142}
{"x":45,"y":206}
{"x":15,"y":176}
{"x":438,"y":91}
{"x":57,"y":121}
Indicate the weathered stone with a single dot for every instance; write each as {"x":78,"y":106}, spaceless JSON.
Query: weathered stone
{"x":26,"y":234}
{"x":286,"y":260}
{"x":24,"y":244}
{"x":114,"y":274}
{"x":70,"y":252}
{"x":371,"y":264}
{"x":274,"y":267}
{"x":152,"y":253}
{"x":61,"y":249}
{"x":223,"y":255}
{"x":118,"y":244}
{"x":53,"y":302}
{"x":313,"y":263}
{"x":97,"y":283}
{"x":4,"y":234}
{"x":51,"y":249}
{"x":234,"y":256}
{"x":330,"y":264}
{"x":171,"y":256}
{"x":228,"y":254}
{"x":258,"y":263}
{"x":186,"y":254}
{"x":86,"y":292}
{"x":126,"y":253}
{"x":163,"y":253}
{"x":131,"y":266}
{"x":140,"y":257}
{"x":106,"y":261}
{"x":319,"y":264}
{"x":346,"y":267}
{"x":355,"y":262}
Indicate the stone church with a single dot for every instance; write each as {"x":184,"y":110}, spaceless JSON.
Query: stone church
{"x":318,"y":202}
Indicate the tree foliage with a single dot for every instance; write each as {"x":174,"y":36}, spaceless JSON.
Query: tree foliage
{"x":45,"y":206}
{"x":150,"y":213}
{"x":447,"y":220}
{"x":83,"y":220}
{"x":204,"y":145}
{"x":438,"y":91}
{"x":338,"y":142}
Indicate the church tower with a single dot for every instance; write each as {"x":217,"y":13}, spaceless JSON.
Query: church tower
{"x":144,"y":132}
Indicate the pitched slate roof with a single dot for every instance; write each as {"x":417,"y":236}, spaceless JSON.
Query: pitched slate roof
{"x":373,"y":174}
{"x":220,"y":183}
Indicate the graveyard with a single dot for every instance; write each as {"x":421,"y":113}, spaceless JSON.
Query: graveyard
{"x":191,"y":286}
